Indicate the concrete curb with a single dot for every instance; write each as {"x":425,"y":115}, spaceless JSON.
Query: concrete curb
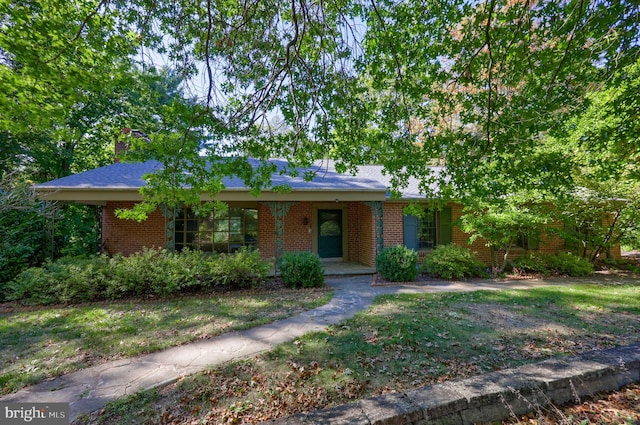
{"x":490,"y":397}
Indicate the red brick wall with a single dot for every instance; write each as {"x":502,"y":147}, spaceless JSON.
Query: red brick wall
{"x":394,"y":234}
{"x":266,"y":232}
{"x":128,"y":236}
{"x":367,"y":236}
{"x":353,"y":243}
{"x":297,"y":236}
{"x":393,"y":223}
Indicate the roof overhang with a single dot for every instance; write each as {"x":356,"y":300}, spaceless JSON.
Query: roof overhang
{"x":102,"y":196}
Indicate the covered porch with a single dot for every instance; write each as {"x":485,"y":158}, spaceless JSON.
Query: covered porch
{"x":340,"y":268}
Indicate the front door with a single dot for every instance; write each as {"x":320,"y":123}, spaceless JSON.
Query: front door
{"x":330,"y":233}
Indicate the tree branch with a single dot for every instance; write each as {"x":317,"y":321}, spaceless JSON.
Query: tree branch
{"x":83,"y":25}
{"x":487,"y":40}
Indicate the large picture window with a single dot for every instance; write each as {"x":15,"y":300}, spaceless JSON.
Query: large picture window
{"x":426,"y":232}
{"x":221,"y":231}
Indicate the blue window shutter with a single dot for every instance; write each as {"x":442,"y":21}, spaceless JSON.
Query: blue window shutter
{"x":411,"y":232}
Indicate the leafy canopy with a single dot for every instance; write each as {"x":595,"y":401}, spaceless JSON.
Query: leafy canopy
{"x":476,"y":86}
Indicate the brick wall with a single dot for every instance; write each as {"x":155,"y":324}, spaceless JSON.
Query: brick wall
{"x":297,"y":236}
{"x":367,"y":236}
{"x":128,"y":236}
{"x":394,"y":234}
{"x":393,"y":224}
{"x":266,"y":232}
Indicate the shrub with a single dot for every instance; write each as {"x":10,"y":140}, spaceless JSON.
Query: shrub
{"x":301,"y":270}
{"x":398,"y":263}
{"x":69,"y":279}
{"x":243,"y":269}
{"x":453,"y":262}
{"x":564,"y":264}
{"x":144,"y":273}
{"x":530,"y":263}
{"x":150,"y":272}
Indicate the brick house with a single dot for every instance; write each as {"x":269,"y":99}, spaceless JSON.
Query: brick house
{"x":340,"y":217}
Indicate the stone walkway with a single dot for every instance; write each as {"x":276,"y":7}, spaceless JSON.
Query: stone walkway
{"x":90,"y":389}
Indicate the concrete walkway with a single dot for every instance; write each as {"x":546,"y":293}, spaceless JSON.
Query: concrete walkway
{"x":90,"y":389}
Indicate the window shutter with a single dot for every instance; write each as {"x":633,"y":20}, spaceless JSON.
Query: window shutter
{"x":533,"y":241}
{"x":446,"y":236}
{"x":411,"y":232}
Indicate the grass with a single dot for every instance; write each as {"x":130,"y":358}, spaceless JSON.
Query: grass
{"x":43,"y":343}
{"x":400,"y":342}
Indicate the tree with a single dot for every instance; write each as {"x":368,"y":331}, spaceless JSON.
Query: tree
{"x":501,"y":224}
{"x":603,"y":143}
{"x":474,"y":85}
{"x":23,"y":235}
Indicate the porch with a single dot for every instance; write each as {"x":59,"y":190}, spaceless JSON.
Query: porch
{"x":342,"y":268}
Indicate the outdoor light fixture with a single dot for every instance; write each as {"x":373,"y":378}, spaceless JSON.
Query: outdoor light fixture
{"x":305,"y":221}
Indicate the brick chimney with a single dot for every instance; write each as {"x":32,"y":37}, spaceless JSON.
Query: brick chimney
{"x":122,"y":146}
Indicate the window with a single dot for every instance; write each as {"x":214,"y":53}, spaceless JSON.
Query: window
{"x":527,"y":241}
{"x":428,"y":231}
{"x":578,"y":237}
{"x":223,"y":232}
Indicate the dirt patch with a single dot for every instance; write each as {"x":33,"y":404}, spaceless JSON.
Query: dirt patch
{"x":513,"y":319}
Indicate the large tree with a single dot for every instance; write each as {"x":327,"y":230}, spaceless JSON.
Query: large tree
{"x":603,"y":143}
{"x":474,"y":85}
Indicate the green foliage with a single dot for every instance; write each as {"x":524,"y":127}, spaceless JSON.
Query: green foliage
{"x":69,"y":279}
{"x":21,"y":242}
{"x":477,"y":84}
{"x":604,"y":144}
{"x":398,"y":263}
{"x":561,"y":264}
{"x":243,"y":269}
{"x":500,"y":222}
{"x":23,"y":220}
{"x":32,"y":230}
{"x":301,"y":270}
{"x":147,"y":273}
{"x":453,"y":261}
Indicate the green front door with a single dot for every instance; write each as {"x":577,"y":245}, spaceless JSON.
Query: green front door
{"x":330,"y":233}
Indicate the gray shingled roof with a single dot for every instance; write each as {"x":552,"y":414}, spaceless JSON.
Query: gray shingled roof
{"x":128,"y":176}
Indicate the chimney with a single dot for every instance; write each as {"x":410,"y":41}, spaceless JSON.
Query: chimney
{"x":122,"y":146}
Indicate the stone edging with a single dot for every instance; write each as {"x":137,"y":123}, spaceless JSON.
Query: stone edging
{"x":490,"y":397}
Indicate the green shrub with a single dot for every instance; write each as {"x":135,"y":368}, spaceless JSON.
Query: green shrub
{"x":453,"y":262}
{"x":531,"y":263}
{"x":147,"y":272}
{"x":398,"y":264}
{"x":564,"y":264}
{"x":244,"y":269}
{"x":69,"y":279}
{"x":301,"y":270}
{"x":150,"y":272}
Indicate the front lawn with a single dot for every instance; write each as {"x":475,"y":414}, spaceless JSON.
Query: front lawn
{"x":45,"y":342}
{"x":401,"y":342}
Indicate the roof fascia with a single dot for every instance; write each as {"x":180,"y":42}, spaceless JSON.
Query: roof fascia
{"x":93,"y":196}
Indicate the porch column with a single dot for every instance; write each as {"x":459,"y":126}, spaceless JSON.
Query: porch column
{"x":279,"y":211}
{"x":377,"y":211}
{"x":169,"y":213}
